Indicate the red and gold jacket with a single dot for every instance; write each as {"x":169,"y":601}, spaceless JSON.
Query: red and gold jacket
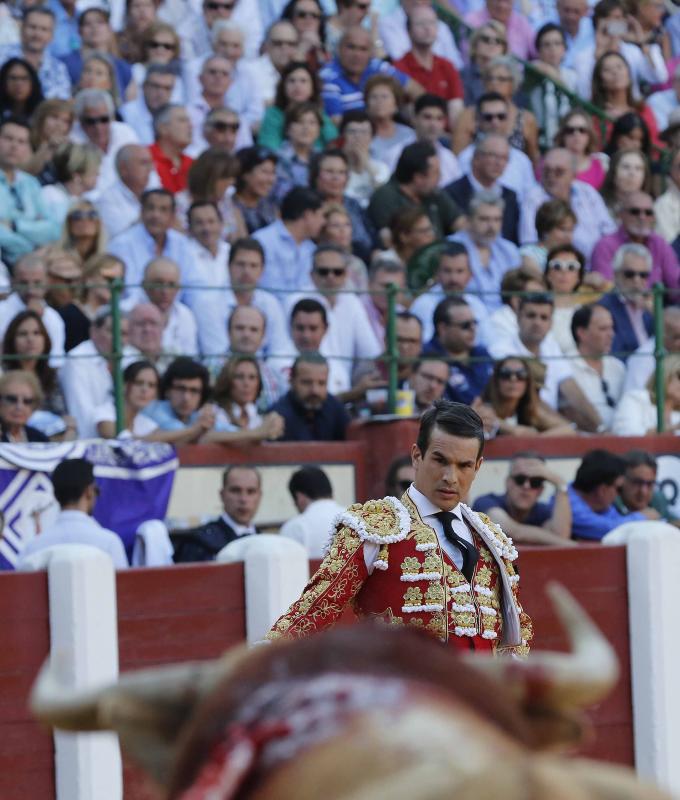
{"x":413,"y":581}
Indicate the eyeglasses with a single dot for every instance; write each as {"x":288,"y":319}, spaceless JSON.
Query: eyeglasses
{"x":220,"y":126}
{"x":220,"y":6}
{"x":302,"y":14}
{"x":283,"y":43}
{"x":489,"y":117}
{"x":15,"y":400}
{"x":77,"y":216}
{"x":161,"y":45}
{"x":485,"y":39}
{"x":629,"y":274}
{"x":507,"y":374}
{"x":95,"y":120}
{"x":570,"y":129}
{"x":466,"y":325}
{"x":525,"y":480}
{"x":641,"y":483}
{"x":324,"y":272}
{"x":640,"y":212}
{"x":564,"y":266}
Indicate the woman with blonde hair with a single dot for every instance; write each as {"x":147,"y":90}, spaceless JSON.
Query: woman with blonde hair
{"x":337,"y":230}
{"x":76,"y":169}
{"x":50,"y":128}
{"x":161,"y":45}
{"x":486,"y":43}
{"x":636,"y":414}
{"x":83,"y":230}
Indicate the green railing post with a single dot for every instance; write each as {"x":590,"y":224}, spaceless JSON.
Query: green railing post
{"x":117,"y":354}
{"x":392,"y":349}
{"x":659,"y":355}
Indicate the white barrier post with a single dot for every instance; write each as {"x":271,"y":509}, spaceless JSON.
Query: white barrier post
{"x":653,"y":566}
{"x":276,"y":570}
{"x":83,"y":654}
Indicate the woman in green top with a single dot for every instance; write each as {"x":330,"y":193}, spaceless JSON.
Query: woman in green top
{"x":298,"y":84}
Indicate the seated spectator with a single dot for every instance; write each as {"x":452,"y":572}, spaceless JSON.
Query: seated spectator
{"x":140,"y":387}
{"x":469,"y":364}
{"x":400,"y":475}
{"x":157,"y":90}
{"x":83,"y":231}
{"x":76,"y":168}
{"x":236,"y":391}
{"x":490,"y":158}
{"x":37,"y":32}
{"x":312,"y":494}
{"x":428,"y":381}
{"x":152,"y":236}
{"x":667,"y":205}
{"x":637,"y":227}
{"x":555,"y":223}
{"x":630,"y":304}
{"x":298,"y":84}
{"x":337,"y":230}
{"x":196,"y":27}
{"x":666,"y":101}
{"x":520,"y":32}
{"x":414,"y":184}
{"x":512,"y":396}
{"x":451,"y":277}
{"x":76,"y":491}
{"x":120,"y":206}
{"x":29,"y":286}
{"x":20,"y":396}
{"x":393,"y":31}
{"x":301,"y":126}
{"x":309,"y":411}
{"x":518,"y":510}
{"x":308,"y":19}
{"x":26,"y":220}
{"x":145,"y":323}
{"x":240,"y":495}
{"x":429,"y":122}
{"x":50,"y":129}
{"x":365,"y":173}
{"x":564,"y":275}
{"x":642,"y":363}
{"x":383,"y":274}
{"x":592,"y":496}
{"x":558,"y":183}
{"x":172,"y":135}
{"x":410,"y":230}
{"x":26,"y":347}
{"x":95,"y":113}
{"x":97,"y":275}
{"x":139,"y":16}
{"x":491,"y":115}
{"x":490,"y":255}
{"x":636,"y":414}
{"x":577,"y":135}
{"x":628,"y":172}
{"x":629,"y":132}
{"x":99,"y":73}
{"x":287,"y":242}
{"x":503,"y":322}
{"x":254,"y":186}
{"x":161,"y":46}
{"x":435,"y":74}
{"x":383,"y":99}
{"x":64,"y":278}
{"x":221,"y":129}
{"x":639,"y":491}
{"x":278,"y":51}
{"x":344,"y":78}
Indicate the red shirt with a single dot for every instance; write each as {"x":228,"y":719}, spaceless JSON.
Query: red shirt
{"x":443,"y":79}
{"x":173,"y":179}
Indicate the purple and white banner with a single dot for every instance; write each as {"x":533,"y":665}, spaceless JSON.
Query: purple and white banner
{"x":134,"y":478}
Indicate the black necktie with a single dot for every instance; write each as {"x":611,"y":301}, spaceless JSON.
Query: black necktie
{"x":468,"y":551}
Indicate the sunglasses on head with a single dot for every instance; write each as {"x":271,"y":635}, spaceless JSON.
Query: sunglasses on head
{"x":524,"y":480}
{"x":487,"y":116}
{"x":506,"y":374}
{"x":324,"y":272}
{"x":640,"y":212}
{"x":302,"y":14}
{"x":77,"y":216}
{"x":629,"y":274}
{"x":564,"y":266}
{"x":161,"y":45}
{"x":96,"y":120}
{"x":15,"y":400}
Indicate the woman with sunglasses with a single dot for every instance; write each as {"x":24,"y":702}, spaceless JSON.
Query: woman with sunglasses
{"x":139,"y":16}
{"x":564,"y":273}
{"x":83,"y":230}
{"x":513,"y":396}
{"x":309,"y":21}
{"x":486,"y":43}
{"x":636,"y":414}
{"x":576,"y":134}
{"x":76,"y":169}
{"x":20,"y":395}
{"x":161,"y":45}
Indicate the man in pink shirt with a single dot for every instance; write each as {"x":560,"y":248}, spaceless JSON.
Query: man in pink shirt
{"x":520,"y":33}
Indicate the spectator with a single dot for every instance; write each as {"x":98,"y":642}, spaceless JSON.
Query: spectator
{"x":308,"y":19}
{"x":518,"y":510}
{"x":636,"y":414}
{"x":29,"y":285}
{"x":512,"y":395}
{"x":664,"y":103}
{"x":414,"y":184}
{"x":599,"y":375}
{"x":555,"y":222}
{"x":99,"y":73}
{"x":76,"y":491}
{"x":298,"y":84}
{"x":254,"y":186}
{"x":470,"y":364}
{"x":344,"y":78}
{"x":383,"y":274}
{"x":50,"y":128}
{"x":429,"y":122}
{"x":37,"y":31}
{"x":337,"y":230}
{"x":383,"y":98}
{"x":20,"y":89}
{"x":365,"y":173}
{"x":490,"y":255}
{"x":428,"y":382}
{"x":577,"y":135}
{"x":278,"y":51}
{"x":159,"y":82}
{"x":287,"y":242}
{"x":629,"y":132}
{"x":630,"y":304}
{"x":120,"y":206}
{"x":76,"y":168}
{"x":309,"y":411}
{"x":642,"y":363}
{"x":146,"y":332}
{"x":573,"y":16}
{"x":223,"y":130}
{"x":240,"y":495}
{"x":172,"y":131}
{"x":20,"y":396}
{"x":97,"y":275}
{"x":592,"y":494}
{"x":520,"y":32}
{"x":96,"y":124}
{"x":667,"y":206}
{"x":139,"y":16}
{"x":160,"y":46}
{"x":410,"y":230}
{"x":197,"y":30}
{"x":83,"y":231}
{"x":490,"y":158}
{"x":152,"y":236}
{"x":64,"y":276}
{"x":486,"y":43}
{"x":26,"y":220}
{"x":558,"y":183}
{"x":312,"y":494}
{"x":394,"y":33}
{"x":564,"y":274}
{"x":209,"y":253}
{"x":140,"y":388}
{"x":409,"y":335}
{"x":452,"y":276}
{"x":435,"y":74}
{"x":302,"y":125}
{"x":400,"y":475}
{"x":348,"y":15}
{"x":628,"y":172}
{"x":639,"y":491}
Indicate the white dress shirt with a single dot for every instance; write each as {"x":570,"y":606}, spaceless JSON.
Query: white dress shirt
{"x":312,"y":528}
{"x":121,"y":134}
{"x":13,"y":305}
{"x":667,"y":212}
{"x":287,"y":264}
{"x":590,"y":381}
{"x":640,"y":366}
{"x":137,"y":115}
{"x":239,"y":530}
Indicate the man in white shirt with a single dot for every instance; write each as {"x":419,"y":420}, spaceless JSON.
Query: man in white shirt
{"x":76,"y":492}
{"x":277,"y":52}
{"x":599,"y":375}
{"x":664,"y":103}
{"x":395,"y":38}
{"x":29,"y":285}
{"x":641,"y":364}
{"x":196,"y":33}
{"x":312,"y":494}
{"x":159,"y":82}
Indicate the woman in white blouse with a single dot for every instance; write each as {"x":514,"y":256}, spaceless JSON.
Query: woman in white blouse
{"x":141,"y":381}
{"x":636,"y":413}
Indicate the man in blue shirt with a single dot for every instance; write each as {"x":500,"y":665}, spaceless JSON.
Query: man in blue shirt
{"x":593,"y":493}
{"x":470,"y":364}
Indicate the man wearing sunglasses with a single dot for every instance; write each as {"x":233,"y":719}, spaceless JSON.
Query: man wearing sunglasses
{"x":520,"y":513}
{"x":640,"y":491}
{"x":637,"y":227}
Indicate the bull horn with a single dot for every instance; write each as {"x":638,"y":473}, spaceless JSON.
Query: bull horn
{"x":561,"y":680}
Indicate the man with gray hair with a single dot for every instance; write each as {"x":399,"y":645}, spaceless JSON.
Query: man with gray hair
{"x":172,"y":129}
{"x":490,"y":255}
{"x":630,"y":304}
{"x":157,"y":91}
{"x":95,"y":113}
